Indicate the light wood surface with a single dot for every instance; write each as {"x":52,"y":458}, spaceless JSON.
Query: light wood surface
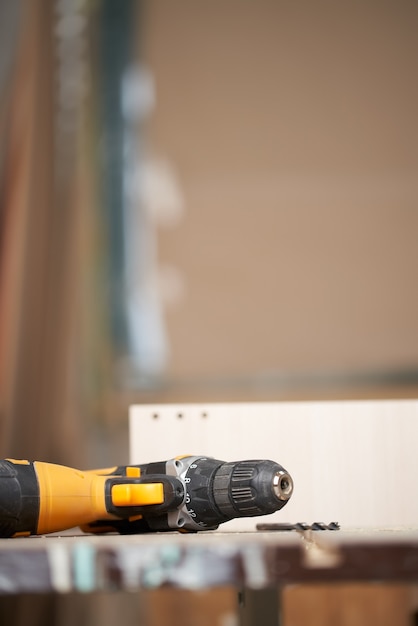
{"x":353,"y":462}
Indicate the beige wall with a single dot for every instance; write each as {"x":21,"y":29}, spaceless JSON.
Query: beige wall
{"x":292,"y":128}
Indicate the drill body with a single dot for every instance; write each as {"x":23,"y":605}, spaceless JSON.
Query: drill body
{"x":190,"y":493}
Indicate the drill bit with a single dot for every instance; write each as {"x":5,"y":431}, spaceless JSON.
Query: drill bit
{"x":300,"y":526}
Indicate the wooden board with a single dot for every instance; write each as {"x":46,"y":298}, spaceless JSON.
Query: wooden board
{"x":353,"y":462}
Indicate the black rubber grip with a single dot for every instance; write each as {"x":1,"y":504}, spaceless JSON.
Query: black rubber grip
{"x":19,"y":498}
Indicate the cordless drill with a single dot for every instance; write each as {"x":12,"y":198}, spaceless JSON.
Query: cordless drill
{"x":189,"y":493}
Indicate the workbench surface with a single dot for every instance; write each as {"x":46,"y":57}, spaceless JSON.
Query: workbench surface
{"x":86,"y":563}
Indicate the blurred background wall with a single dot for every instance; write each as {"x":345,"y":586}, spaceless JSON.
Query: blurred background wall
{"x":202,"y":202}
{"x":292,"y":127}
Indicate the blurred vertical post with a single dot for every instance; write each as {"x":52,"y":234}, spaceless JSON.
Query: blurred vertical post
{"x":125,"y":100}
{"x":39,"y":416}
{"x":76,"y":309}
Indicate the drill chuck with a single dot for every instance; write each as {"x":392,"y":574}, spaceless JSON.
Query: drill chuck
{"x":250,"y":488}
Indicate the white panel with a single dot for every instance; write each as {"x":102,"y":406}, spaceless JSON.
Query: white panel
{"x":353,"y":462}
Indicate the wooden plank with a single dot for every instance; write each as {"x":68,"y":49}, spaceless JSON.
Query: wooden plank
{"x":353,"y":462}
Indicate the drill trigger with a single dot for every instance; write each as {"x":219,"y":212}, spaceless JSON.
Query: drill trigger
{"x":137,"y":494}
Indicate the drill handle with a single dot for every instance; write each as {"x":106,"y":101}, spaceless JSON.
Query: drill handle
{"x":38,"y":498}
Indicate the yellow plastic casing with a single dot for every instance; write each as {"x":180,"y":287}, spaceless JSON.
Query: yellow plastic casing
{"x":104,"y":471}
{"x":130,"y":471}
{"x":68,"y":497}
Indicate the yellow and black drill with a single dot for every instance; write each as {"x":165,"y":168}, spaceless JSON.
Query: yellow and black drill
{"x":189,"y":493}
